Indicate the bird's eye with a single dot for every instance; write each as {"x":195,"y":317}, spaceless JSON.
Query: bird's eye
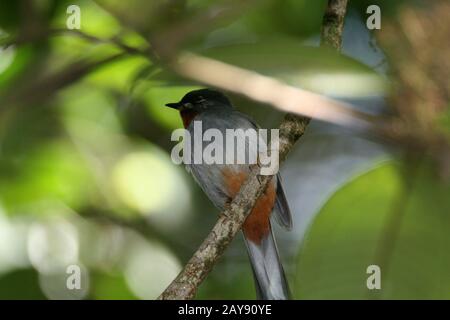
{"x":187,"y":105}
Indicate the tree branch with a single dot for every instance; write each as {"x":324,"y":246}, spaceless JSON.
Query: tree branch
{"x":231,"y":219}
{"x":37,"y":91}
{"x":333,"y":24}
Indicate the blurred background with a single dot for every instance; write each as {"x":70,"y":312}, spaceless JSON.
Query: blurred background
{"x":86,"y":177}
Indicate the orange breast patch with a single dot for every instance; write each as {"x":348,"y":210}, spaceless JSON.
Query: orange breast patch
{"x":257,"y":224}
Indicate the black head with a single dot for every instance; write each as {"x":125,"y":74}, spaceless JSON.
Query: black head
{"x":201,"y":100}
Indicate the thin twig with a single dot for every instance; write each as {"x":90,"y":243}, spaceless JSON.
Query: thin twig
{"x":38,"y":91}
{"x":333,"y":24}
{"x":35,"y":37}
{"x":230,"y":221}
{"x":44,"y":88}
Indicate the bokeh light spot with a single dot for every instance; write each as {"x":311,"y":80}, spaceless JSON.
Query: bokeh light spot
{"x":52,"y":245}
{"x":149,"y":183}
{"x":150,"y":268}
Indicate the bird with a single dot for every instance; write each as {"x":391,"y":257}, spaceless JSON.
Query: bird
{"x":221,"y":182}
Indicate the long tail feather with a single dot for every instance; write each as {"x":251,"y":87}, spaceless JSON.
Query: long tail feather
{"x":270,"y":280}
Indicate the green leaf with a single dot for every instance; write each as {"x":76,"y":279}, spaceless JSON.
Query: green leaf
{"x":347,"y":237}
{"x":300,"y":18}
{"x":20,"y":284}
{"x":144,"y":16}
{"x":18,"y":60}
{"x":317,"y":69}
{"x":110,"y":286}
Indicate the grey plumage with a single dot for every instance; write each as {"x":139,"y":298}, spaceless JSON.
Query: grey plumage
{"x":215,"y":112}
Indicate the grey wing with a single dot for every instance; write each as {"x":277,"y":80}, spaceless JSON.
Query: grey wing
{"x":210,"y":176}
{"x":282,"y":213}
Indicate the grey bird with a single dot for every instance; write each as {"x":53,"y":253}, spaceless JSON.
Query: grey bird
{"x":221,"y":182}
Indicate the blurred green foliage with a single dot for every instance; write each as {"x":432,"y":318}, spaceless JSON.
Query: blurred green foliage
{"x":349,"y":232}
{"x":86,"y":178}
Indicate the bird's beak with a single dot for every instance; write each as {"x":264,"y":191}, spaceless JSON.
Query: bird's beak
{"x":175,"y":105}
